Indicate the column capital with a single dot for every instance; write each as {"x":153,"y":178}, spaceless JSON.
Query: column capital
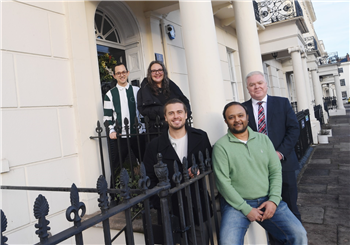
{"x":295,"y":49}
{"x":303,"y":55}
{"x":313,"y":69}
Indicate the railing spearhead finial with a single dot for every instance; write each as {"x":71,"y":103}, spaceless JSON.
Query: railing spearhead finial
{"x":177,"y":177}
{"x":144,"y":181}
{"x":161,"y":171}
{"x":41,"y":209}
{"x":102,"y":190}
{"x":124,"y":184}
{"x":3,"y":228}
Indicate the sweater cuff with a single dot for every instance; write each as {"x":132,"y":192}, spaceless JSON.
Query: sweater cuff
{"x":246,"y":209}
{"x":275,"y":199}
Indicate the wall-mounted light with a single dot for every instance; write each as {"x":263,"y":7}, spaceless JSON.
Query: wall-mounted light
{"x":274,"y":55}
{"x":170,"y":30}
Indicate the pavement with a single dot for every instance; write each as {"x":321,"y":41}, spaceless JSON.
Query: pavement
{"x":324,"y":187}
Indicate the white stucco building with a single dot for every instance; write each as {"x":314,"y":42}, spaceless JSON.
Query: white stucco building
{"x":51,"y":91}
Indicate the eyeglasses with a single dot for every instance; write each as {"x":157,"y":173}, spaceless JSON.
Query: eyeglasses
{"x":160,"y":71}
{"x":121,"y":73}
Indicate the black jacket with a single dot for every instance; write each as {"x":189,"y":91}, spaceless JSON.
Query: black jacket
{"x":149,"y":104}
{"x":197,"y":141}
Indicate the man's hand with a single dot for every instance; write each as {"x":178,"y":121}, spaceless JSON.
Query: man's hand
{"x":279,"y":155}
{"x":270,"y":209}
{"x":255,"y":215}
{"x":113,"y":135}
{"x":191,"y":174}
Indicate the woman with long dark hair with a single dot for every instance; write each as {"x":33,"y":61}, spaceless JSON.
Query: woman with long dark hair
{"x":156,"y":89}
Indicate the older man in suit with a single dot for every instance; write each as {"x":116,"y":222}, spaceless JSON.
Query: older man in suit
{"x":275,"y":117}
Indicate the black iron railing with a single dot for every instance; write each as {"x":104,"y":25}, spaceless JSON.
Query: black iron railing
{"x":311,"y":44}
{"x":121,"y":198}
{"x":272,"y":11}
{"x":256,"y":11}
{"x":76,"y":211}
{"x":305,"y":137}
{"x":319,"y":113}
{"x":330,"y":103}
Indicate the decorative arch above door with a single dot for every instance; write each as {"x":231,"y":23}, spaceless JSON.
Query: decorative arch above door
{"x":117,"y":34}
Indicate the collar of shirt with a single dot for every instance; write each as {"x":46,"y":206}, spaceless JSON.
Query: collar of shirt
{"x":254,"y":101}
{"x":121,"y":87}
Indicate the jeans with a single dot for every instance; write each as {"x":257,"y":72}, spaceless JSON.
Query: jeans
{"x":284,"y":226}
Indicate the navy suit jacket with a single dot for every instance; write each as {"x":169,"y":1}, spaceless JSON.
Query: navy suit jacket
{"x":282,"y":127}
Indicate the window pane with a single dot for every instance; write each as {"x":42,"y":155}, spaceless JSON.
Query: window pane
{"x":98,"y":21}
{"x":106,"y":27}
{"x":112,"y":37}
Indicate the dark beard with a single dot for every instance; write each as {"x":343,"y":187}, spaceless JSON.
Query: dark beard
{"x":234,"y":131}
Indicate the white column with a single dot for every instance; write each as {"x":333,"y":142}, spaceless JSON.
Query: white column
{"x":330,"y":91}
{"x":299,"y":79}
{"x":248,"y":40}
{"x":318,"y":92}
{"x":307,"y":86}
{"x":315,"y":124}
{"x":340,"y":105}
{"x":205,"y":80}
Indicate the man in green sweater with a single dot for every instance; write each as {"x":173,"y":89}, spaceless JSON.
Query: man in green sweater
{"x":249,"y":179}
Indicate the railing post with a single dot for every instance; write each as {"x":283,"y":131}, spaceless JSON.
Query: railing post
{"x":74,"y":209}
{"x":125,"y":189}
{"x":206,"y":200}
{"x":189,"y":199}
{"x":103,"y":204}
{"x":194,"y":170}
{"x":208,"y":165}
{"x":144,"y":183}
{"x":3,"y":227}
{"x":41,"y":209}
{"x":177,"y":177}
{"x":99,"y":130}
{"x":162,"y":173}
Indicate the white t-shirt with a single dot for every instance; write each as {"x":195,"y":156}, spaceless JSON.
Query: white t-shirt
{"x":180,"y":146}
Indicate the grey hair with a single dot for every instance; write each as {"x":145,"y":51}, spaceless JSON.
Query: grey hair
{"x":252,"y":73}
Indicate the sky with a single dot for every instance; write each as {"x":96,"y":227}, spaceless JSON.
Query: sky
{"x":332,"y":25}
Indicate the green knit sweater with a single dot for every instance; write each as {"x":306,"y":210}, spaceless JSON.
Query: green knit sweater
{"x":247,"y":171}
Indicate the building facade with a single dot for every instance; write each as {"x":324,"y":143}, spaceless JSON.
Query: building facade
{"x":51,"y":87}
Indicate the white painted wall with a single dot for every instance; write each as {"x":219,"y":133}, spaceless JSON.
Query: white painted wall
{"x":49,"y":108}
{"x":345,"y":75}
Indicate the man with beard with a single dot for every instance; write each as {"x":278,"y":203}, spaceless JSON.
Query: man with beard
{"x":249,"y":179}
{"x":175,"y":143}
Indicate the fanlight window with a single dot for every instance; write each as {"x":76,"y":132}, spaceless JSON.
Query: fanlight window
{"x":104,"y":28}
